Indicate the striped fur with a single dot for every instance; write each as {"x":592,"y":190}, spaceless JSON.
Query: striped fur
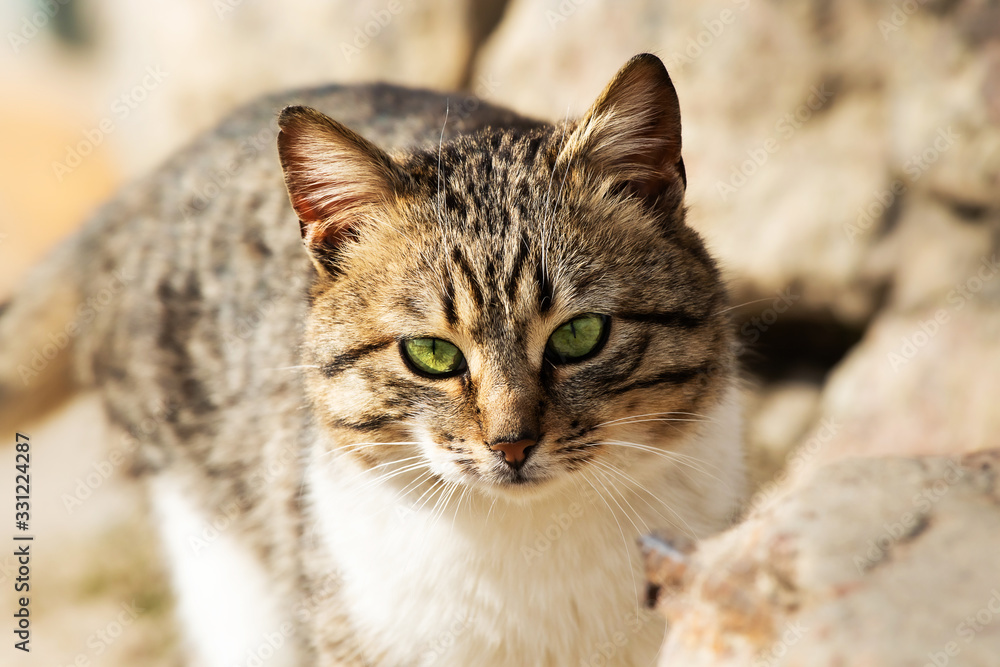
{"x":264,"y":383}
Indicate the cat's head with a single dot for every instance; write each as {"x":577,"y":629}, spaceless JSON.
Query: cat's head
{"x":516,"y":308}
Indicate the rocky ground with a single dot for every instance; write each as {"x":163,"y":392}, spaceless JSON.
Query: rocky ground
{"x":843,"y":163}
{"x":885,"y":561}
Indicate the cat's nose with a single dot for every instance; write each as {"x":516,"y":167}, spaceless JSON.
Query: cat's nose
{"x":515,"y":453}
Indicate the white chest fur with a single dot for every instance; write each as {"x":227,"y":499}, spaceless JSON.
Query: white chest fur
{"x":554,"y":583}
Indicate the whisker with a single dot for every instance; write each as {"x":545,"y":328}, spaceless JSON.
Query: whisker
{"x":439,"y":484}
{"x":548,"y":192}
{"x":358,"y":445}
{"x":447,"y":109}
{"x":383,"y":478}
{"x":740,"y":305}
{"x":666,"y":420}
{"x":490,"y":512}
{"x":438,"y":488}
{"x":621,"y":531}
{"x":334,"y":452}
{"x":417,"y":481}
{"x":624,"y":513}
{"x":634,"y":483}
{"x":442,"y":505}
{"x":682,"y":459}
{"x":458,"y":506}
{"x":655,"y":414}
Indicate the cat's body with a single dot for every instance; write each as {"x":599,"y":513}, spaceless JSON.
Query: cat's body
{"x":266,"y":389}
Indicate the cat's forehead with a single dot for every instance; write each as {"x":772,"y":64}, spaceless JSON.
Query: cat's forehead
{"x":481,"y":182}
{"x":494,"y":237}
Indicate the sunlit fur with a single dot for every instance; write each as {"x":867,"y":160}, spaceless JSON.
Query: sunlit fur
{"x":600,"y":252}
{"x":263,"y":389}
{"x":509,"y":240}
{"x":491,"y":242}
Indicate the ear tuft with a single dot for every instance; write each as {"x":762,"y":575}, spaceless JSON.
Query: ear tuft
{"x":633,"y":133}
{"x":333,"y":175}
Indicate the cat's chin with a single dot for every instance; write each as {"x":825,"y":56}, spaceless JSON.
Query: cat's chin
{"x":518,"y":489}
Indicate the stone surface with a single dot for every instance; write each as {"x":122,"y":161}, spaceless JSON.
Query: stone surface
{"x":778,"y":416}
{"x":922,"y":383}
{"x":869,"y":562}
{"x":807,"y":127}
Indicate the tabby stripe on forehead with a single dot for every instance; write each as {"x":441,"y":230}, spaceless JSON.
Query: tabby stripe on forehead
{"x":474,"y":287}
{"x":668,"y":318}
{"x":516,"y":267}
{"x":345,"y":360}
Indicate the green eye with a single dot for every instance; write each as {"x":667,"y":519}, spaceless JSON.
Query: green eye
{"x":578,"y":339}
{"x":433,"y":356}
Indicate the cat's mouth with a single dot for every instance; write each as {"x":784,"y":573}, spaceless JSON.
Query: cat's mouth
{"x":518,"y":478}
{"x":520,"y":482}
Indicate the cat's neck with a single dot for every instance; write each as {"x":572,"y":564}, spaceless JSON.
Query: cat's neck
{"x":422,"y":562}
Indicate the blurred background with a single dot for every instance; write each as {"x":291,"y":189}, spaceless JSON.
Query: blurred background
{"x":843,"y":163}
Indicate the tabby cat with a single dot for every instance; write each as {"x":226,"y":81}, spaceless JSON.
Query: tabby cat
{"x":421,"y":415}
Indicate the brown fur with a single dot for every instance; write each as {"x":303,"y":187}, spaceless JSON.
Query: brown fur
{"x":488,"y":232}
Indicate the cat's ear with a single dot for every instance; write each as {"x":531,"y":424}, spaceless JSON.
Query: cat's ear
{"x":335,"y":178}
{"x":633,"y":133}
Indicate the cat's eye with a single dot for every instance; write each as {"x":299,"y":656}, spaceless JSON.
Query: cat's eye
{"x":433,"y":357}
{"x":580,"y":338}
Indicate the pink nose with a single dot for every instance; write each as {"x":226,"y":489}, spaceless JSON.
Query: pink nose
{"x":513,"y":452}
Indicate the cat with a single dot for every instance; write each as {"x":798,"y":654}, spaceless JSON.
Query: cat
{"x":421,"y":414}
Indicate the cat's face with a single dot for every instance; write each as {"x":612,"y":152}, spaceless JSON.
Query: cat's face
{"x":516,"y":309}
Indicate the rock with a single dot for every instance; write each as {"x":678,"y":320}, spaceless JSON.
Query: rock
{"x":868,"y":562}
{"x":219,"y":54}
{"x":925,"y":382}
{"x":778,"y":417}
{"x":799,"y":122}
